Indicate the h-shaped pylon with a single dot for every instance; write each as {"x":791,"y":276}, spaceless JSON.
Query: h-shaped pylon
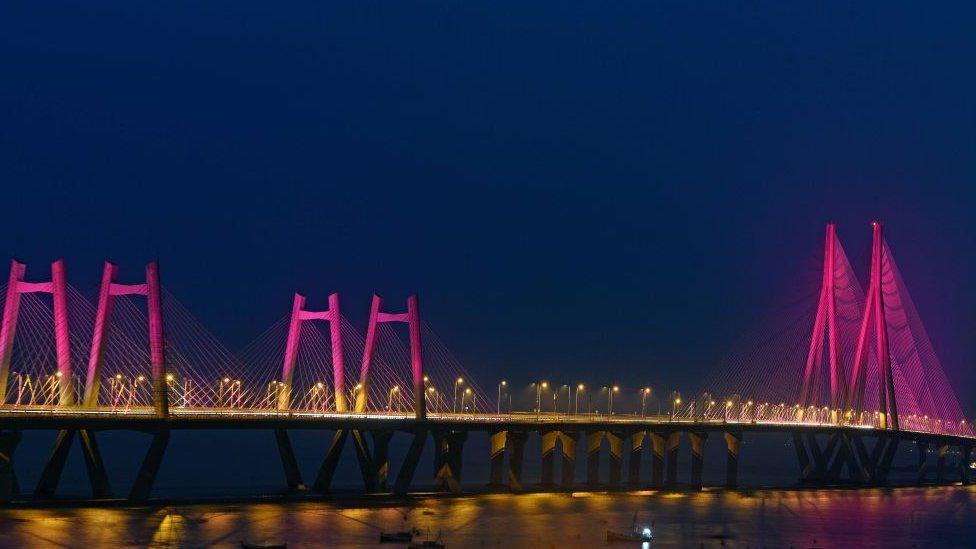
{"x":874,"y":309}
{"x":412,"y":318}
{"x":157,"y":355}
{"x":299,"y":315}
{"x":57,"y":287}
{"x":825,"y":333}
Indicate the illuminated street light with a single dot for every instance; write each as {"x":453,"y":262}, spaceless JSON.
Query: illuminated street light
{"x":539,"y":386}
{"x":498,"y":403}
{"x":459,"y":381}
{"x":610,"y":399}
{"x":579,"y":388}
{"x":644,"y":392}
{"x":389,"y":401}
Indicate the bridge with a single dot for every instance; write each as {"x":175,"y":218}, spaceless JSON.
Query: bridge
{"x":850,"y":378}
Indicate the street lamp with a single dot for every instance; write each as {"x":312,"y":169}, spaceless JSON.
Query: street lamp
{"x":433,"y":392}
{"x":610,"y":399}
{"x":539,"y":386}
{"x":579,"y":388}
{"x":466,"y":392}
{"x":353,"y":393}
{"x":389,"y":400}
{"x":457,"y":382}
{"x":498,"y":403}
{"x":646,"y":391}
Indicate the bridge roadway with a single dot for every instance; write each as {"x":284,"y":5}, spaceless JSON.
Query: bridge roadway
{"x":824,"y":451}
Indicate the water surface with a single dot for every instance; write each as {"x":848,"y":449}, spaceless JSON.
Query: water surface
{"x":899,"y":517}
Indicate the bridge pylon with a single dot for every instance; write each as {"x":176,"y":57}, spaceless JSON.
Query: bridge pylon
{"x":57,"y":287}
{"x":835,"y":278}
{"x":108,"y":290}
{"x":874,"y":317}
{"x":412,"y":318}
{"x":334,"y":318}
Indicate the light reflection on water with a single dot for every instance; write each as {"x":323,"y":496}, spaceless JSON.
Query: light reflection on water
{"x":903,"y":517}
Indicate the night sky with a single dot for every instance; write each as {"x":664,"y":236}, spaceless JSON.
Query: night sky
{"x":605,"y":192}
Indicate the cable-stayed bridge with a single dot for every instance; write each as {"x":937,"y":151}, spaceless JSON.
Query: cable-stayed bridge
{"x":849,"y":376}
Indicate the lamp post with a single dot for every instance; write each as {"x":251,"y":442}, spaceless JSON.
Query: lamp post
{"x":458,"y":381}
{"x":498,"y":403}
{"x":433,"y":396}
{"x":674,"y":405}
{"x":539,"y":386}
{"x":610,"y":393}
{"x":353,"y":393}
{"x":579,"y":388}
{"x":646,"y":391}
{"x":465,"y":392}
{"x":389,"y":399}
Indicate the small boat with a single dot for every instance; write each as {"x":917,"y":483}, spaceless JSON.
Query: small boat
{"x":399,"y":537}
{"x":638,"y":533}
{"x":245,"y":545}
{"x":426,"y":544}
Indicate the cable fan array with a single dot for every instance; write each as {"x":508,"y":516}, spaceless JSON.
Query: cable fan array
{"x":783,"y":369}
{"x":203,"y":374}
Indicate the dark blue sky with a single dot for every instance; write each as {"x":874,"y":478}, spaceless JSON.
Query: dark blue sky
{"x":572,"y":187}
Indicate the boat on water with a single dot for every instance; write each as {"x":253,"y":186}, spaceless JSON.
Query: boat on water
{"x":399,"y":537}
{"x":637,"y":533}
{"x":246,"y":545}
{"x":426,"y":544}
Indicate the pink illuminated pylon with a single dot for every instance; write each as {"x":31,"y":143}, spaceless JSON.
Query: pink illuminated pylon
{"x":57,"y":287}
{"x":874,"y":308}
{"x":412,"y":318}
{"x":298,"y":315}
{"x":157,"y":354}
{"x":825,"y":332}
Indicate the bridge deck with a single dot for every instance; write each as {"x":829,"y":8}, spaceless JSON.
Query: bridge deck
{"x":208,"y":418}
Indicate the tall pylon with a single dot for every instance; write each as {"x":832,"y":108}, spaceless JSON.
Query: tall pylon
{"x":825,"y":333}
{"x":874,"y":315}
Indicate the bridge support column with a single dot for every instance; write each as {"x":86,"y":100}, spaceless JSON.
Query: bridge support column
{"x":634,"y":462}
{"x":569,"y":458}
{"x":146,"y":477}
{"x":448,"y":458}
{"x":615,"y":442}
{"x":410,"y":462}
{"x":965,"y":458}
{"x":888,"y":448}
{"x":50,"y":477}
{"x":381,"y":457}
{"x":549,"y":438}
{"x":674,"y":440}
{"x":940,"y":464}
{"x":697,"y":457}
{"x":97,"y":475}
{"x":806,"y":469}
{"x":657,"y":459}
{"x":516,"y":457}
{"x":498,"y":441}
{"x":293,"y":477}
{"x":51,"y":474}
{"x":323,"y":482}
{"x":818,"y":472}
{"x":593,"y":442}
{"x":923,"y":452}
{"x":8,"y":479}
{"x":732,"y":442}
